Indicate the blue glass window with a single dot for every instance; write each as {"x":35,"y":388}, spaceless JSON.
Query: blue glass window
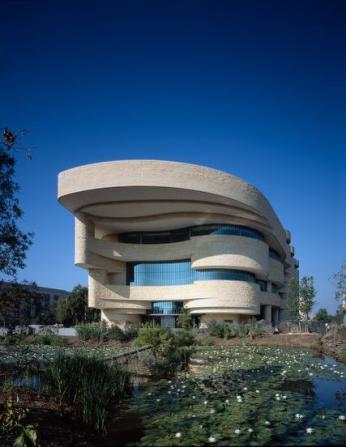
{"x":166,"y":307}
{"x":263,"y":285}
{"x":184,"y":234}
{"x":275,"y":288}
{"x":178,"y":272}
{"x":274,"y":254}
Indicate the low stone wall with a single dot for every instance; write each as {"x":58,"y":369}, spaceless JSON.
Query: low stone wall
{"x":133,"y":360}
{"x":335,"y":346}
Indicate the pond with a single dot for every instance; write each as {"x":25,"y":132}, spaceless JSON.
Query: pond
{"x":241,"y":396}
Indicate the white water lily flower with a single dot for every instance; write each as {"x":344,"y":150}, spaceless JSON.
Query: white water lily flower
{"x":299,"y":416}
{"x":205,"y":402}
{"x":309,"y":430}
{"x":257,"y":391}
{"x":342,"y":418}
{"x":226,"y":401}
{"x":212,"y":411}
{"x":212,"y":439}
{"x":267,"y":423}
{"x":250,"y":430}
{"x":178,"y":435}
{"x":237,"y":431}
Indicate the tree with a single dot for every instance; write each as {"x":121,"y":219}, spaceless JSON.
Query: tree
{"x":14,"y":243}
{"x":339,"y":279}
{"x":17,"y":302}
{"x":74,"y":309}
{"x":293,"y":299}
{"x":301,"y":297}
{"x":322,"y":315}
{"x":307,"y":293}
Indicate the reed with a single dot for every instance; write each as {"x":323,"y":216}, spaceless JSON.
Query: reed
{"x":88,"y":385}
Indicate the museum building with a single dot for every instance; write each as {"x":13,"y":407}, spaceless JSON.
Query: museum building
{"x":159,"y":238}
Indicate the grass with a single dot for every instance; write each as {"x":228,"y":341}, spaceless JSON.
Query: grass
{"x":100,"y":332}
{"x":47,"y":339}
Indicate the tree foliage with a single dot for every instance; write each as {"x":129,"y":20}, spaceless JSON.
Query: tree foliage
{"x":322,"y":315}
{"x":17,"y":301}
{"x":75,"y":308}
{"x":14,"y":243}
{"x":307,"y":293}
{"x":293,"y":298}
{"x":301,"y":297}
{"x":339,"y":279}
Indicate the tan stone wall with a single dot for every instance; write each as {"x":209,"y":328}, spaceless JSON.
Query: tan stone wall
{"x":141,"y":195}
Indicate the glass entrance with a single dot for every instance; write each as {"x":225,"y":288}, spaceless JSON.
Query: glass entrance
{"x":168,"y":321}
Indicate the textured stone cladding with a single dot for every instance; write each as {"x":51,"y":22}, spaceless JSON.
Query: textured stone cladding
{"x":151,"y":195}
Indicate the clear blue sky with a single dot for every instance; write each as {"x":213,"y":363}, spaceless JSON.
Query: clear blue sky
{"x":254,"y":88}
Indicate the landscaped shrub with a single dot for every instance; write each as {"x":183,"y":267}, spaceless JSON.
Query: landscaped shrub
{"x":170,"y":351}
{"x":230,"y":330}
{"x":88,"y":385}
{"x":204,"y":341}
{"x":115,"y":333}
{"x":92,"y":331}
{"x":184,"y":321}
{"x":50,"y":340}
{"x":100,"y":332}
{"x":185,"y":338}
{"x":131,"y":332}
{"x":150,"y":334}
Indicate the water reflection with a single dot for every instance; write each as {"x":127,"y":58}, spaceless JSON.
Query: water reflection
{"x":330,"y":394}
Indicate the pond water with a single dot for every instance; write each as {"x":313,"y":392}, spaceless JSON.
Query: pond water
{"x":243,"y":396}
{"x":250,"y":395}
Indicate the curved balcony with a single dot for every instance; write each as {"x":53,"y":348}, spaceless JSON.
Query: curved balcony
{"x":276,"y":272}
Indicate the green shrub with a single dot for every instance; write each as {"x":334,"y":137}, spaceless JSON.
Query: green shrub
{"x":230,"y":330}
{"x":100,"y":332}
{"x":185,"y":338}
{"x":170,"y":351}
{"x":88,"y":385}
{"x":115,"y":333}
{"x":131,"y":332}
{"x":13,"y":340}
{"x":150,"y":334}
{"x":92,"y":331}
{"x":184,"y":321}
{"x":50,"y":340}
{"x":204,"y":341}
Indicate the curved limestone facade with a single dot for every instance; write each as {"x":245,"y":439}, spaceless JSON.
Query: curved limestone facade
{"x":160,"y":238}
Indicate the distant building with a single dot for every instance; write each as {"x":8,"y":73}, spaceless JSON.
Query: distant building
{"x":44,"y":297}
{"x":159,"y":238}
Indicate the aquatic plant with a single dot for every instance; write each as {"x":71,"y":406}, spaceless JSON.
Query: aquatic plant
{"x":88,"y":385}
{"x":244,"y":396}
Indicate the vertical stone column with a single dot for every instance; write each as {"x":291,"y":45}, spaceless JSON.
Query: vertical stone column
{"x":268,"y":314}
{"x":84,"y":230}
{"x":276,"y":316}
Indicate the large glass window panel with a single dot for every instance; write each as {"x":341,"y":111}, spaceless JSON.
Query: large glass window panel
{"x":183,"y":234}
{"x":177,"y":273}
{"x":166,"y":307}
{"x":161,"y":237}
{"x":130,"y":238}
